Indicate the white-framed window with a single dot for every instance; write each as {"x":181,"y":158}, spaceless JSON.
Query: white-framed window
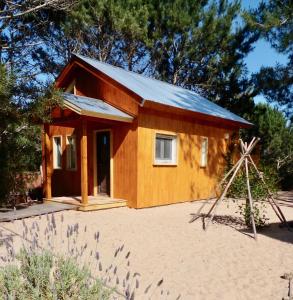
{"x":204,"y":151}
{"x":57,"y":152}
{"x":165,"y":149}
{"x":71,"y":159}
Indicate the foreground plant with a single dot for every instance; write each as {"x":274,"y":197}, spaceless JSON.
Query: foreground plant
{"x":43,"y":276}
{"x":55,"y":260}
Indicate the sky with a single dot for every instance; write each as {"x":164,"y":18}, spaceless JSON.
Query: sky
{"x":263,"y":54}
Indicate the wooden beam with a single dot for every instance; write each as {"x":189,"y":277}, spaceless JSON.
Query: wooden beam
{"x":48,"y":162}
{"x":83,"y":161}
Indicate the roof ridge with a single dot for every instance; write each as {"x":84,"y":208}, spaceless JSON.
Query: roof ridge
{"x":138,"y":74}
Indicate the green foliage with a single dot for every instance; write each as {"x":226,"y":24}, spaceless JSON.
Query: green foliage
{"x":276,"y":144}
{"x":20,"y":135}
{"x":274,"y":21}
{"x":259,"y":214}
{"x":238,"y":188}
{"x":259,"y":194}
{"x":43,"y":276}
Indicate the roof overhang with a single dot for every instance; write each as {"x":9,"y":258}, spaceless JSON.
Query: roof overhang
{"x":149,"y":104}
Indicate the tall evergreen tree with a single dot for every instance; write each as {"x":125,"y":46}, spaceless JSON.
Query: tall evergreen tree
{"x":274,"y":20}
{"x":195,"y":44}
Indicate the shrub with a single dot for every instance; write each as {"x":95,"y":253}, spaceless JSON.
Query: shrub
{"x":259,"y":194}
{"x":43,"y":276}
{"x":58,"y":261}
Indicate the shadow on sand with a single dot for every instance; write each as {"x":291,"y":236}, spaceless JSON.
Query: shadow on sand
{"x":273,"y":230}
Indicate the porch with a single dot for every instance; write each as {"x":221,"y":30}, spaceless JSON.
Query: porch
{"x":94,"y":202}
{"x":79,"y":151}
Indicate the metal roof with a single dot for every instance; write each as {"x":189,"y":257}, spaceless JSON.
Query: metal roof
{"x":93,"y":107}
{"x":153,"y":90}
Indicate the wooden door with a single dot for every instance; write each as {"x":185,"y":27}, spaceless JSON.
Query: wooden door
{"x":103,"y":162}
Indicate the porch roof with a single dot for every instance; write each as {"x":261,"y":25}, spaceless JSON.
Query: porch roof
{"x":92,"y":107}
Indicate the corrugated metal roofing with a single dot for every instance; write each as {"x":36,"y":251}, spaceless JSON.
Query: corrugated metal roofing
{"x":94,"y":107}
{"x":161,"y":92}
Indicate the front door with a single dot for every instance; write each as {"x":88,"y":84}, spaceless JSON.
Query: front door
{"x":103,"y":162}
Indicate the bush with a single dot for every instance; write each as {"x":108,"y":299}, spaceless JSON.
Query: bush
{"x":56,"y":260}
{"x":43,"y":276}
{"x":259,"y":194}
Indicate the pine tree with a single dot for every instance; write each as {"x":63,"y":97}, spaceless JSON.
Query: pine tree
{"x":274,"y":20}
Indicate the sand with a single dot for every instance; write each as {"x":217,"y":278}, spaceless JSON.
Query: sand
{"x":224,"y":262}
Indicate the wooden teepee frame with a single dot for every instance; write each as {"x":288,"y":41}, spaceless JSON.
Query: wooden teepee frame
{"x":245,"y":159}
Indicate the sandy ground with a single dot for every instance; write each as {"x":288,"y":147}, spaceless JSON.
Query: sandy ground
{"x":224,"y":262}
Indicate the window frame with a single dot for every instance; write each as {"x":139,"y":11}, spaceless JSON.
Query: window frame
{"x":55,"y":167}
{"x":204,"y":162}
{"x":174,"y":149}
{"x":67,"y":153}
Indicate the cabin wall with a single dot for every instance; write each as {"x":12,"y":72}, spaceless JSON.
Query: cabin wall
{"x":160,"y":185}
{"x":125,"y":162}
{"x":96,"y":87}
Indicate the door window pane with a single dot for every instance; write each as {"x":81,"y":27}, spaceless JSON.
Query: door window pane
{"x":71,"y":152}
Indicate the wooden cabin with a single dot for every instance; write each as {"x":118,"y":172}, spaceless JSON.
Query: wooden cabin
{"x":121,"y":138}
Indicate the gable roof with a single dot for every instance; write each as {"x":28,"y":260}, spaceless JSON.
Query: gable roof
{"x":94,"y":108}
{"x":161,"y":92}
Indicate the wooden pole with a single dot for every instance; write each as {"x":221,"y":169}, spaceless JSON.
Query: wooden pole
{"x":214,"y":206}
{"x":250,"y":199}
{"x":271,"y":200}
{"x":236,"y":169}
{"x":83,"y":162}
{"x":48,"y":162}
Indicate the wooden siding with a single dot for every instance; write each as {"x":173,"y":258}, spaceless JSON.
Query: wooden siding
{"x":97,"y":87}
{"x":125,"y":162}
{"x":160,"y":185}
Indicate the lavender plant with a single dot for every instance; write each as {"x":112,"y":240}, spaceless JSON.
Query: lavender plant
{"x":54,"y":260}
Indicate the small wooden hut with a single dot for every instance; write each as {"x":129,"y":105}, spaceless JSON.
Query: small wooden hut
{"x":121,"y":138}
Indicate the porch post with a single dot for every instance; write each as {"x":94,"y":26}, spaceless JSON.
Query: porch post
{"x":83,"y":162}
{"x":48,"y":162}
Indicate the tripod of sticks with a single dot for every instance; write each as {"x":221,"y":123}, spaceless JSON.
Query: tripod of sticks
{"x":245,"y":160}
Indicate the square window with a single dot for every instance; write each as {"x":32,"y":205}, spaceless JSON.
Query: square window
{"x":165,"y":152}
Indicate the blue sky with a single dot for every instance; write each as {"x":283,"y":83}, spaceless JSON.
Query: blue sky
{"x":263,"y":54}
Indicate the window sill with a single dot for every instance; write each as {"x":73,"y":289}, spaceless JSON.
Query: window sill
{"x":166,"y":164}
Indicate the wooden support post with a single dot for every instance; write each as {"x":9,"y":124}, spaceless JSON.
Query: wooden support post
{"x":271,"y":200}
{"x":48,"y":162}
{"x":212,"y":210}
{"x":83,"y":162}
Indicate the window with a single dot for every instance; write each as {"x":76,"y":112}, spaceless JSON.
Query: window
{"x":204,"y":152}
{"x":166,"y":151}
{"x":71,"y":152}
{"x":57,"y":152}
{"x":71,"y":88}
